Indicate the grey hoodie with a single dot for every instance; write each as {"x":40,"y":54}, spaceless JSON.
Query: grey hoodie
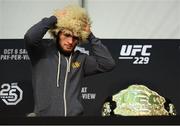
{"x":56,"y":78}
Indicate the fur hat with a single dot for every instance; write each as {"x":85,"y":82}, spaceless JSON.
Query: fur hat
{"x":74,"y":20}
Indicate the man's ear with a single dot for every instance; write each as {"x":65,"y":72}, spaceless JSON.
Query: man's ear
{"x":58,"y":33}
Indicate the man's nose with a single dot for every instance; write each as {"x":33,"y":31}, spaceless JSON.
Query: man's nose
{"x":70,"y":40}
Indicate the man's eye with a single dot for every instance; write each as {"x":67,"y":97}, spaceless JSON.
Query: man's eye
{"x":75,"y":37}
{"x":67,"y":35}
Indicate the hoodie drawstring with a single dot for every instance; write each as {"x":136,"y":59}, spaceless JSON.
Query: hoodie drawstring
{"x":59,"y":67}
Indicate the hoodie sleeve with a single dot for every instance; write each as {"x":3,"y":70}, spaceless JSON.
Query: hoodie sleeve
{"x":101,"y":60}
{"x":33,"y":37}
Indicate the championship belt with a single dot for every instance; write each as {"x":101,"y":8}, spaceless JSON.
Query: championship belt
{"x":137,"y":100}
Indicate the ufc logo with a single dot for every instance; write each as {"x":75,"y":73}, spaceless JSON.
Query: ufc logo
{"x":132,"y":50}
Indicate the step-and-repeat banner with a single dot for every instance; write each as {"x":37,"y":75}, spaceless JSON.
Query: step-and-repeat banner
{"x":150,"y":62}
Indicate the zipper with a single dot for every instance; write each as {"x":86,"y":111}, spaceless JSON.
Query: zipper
{"x":65,"y":83}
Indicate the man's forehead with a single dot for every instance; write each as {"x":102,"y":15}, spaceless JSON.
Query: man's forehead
{"x":67,"y":31}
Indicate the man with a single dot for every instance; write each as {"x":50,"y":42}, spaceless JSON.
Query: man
{"x":57,"y":69}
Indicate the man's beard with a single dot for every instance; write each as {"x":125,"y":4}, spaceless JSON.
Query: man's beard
{"x":64,"y":52}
